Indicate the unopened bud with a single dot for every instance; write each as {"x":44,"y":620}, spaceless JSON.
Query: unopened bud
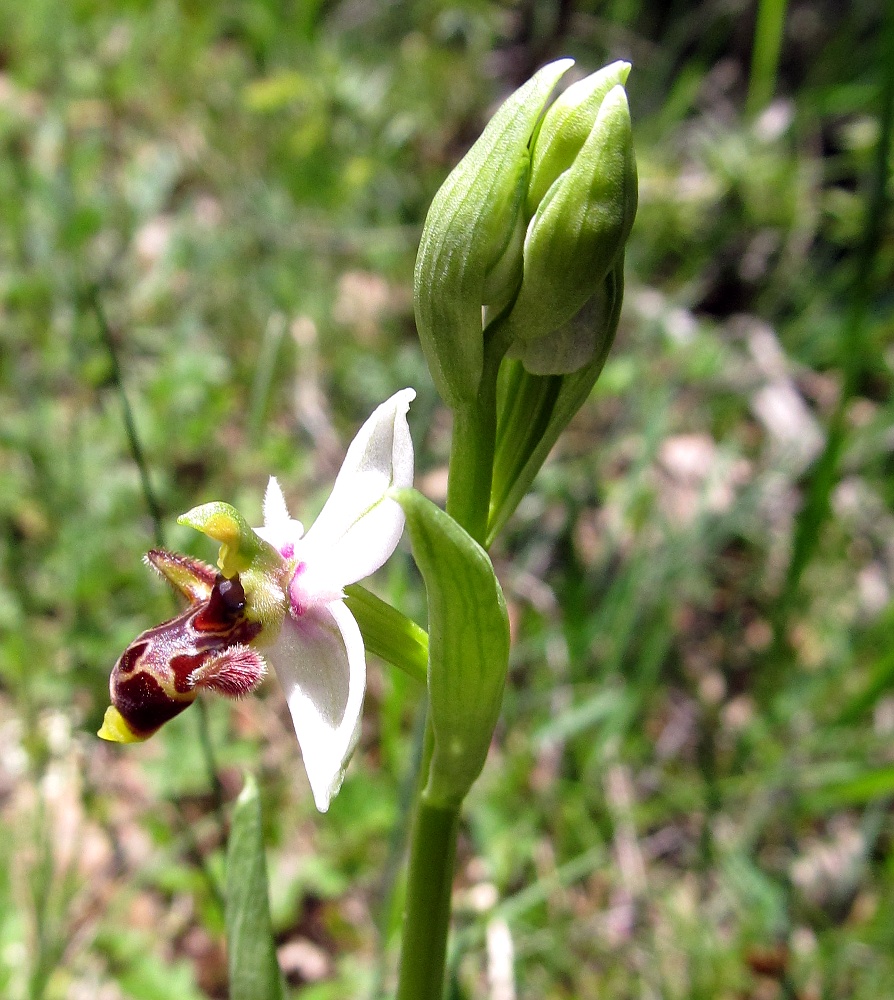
{"x":579,"y":229}
{"x":528,"y":226}
{"x":567,"y":125}
{"x":471,"y":248}
{"x":588,"y":334}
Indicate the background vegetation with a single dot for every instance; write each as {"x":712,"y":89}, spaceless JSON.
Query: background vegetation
{"x":208,"y":219}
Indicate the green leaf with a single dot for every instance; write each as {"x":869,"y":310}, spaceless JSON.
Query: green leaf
{"x":468,"y":645}
{"x":869,"y":786}
{"x":388,"y":633}
{"x":254,"y":971}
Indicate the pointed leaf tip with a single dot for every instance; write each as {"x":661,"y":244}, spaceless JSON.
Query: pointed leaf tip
{"x":253,"y":967}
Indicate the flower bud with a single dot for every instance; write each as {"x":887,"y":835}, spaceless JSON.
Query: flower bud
{"x":529,"y":224}
{"x":471,"y":248}
{"x":579,"y":228}
{"x":566,"y":126}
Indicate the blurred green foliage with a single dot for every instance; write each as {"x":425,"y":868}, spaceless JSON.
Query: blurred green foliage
{"x":675,"y":805}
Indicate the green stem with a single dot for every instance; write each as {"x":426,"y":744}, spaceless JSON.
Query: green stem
{"x":427,"y":916}
{"x":524,"y":423}
{"x":435,"y":826}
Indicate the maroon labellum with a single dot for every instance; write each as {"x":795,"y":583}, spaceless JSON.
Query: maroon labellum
{"x":162,"y":670}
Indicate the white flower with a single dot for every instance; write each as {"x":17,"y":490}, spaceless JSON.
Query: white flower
{"x":318,"y":652}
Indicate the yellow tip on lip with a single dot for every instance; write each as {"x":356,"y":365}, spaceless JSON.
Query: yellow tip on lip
{"x":115,"y":728}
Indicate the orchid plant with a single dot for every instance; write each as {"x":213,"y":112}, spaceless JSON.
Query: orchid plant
{"x":518,"y":288}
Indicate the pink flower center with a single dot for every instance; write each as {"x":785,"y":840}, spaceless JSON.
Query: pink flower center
{"x":297,"y":596}
{"x":309,"y":590}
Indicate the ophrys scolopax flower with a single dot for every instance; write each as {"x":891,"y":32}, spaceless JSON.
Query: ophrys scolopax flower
{"x":278,"y":597}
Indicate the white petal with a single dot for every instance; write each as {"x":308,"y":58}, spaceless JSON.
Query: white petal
{"x":280,"y":530}
{"x":321,"y":665}
{"x":359,"y":527}
{"x":275,"y":510}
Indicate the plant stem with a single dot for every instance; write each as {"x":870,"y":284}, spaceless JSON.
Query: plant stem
{"x":130,"y":427}
{"x":427,"y":916}
{"x":469,"y":457}
{"x":436,"y":826}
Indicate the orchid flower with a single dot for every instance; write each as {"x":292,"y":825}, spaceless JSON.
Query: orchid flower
{"x":279,"y":597}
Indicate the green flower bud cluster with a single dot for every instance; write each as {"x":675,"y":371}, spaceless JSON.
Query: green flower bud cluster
{"x":527,"y":232}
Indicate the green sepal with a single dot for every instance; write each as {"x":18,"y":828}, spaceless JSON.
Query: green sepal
{"x":251,"y":950}
{"x":567,"y":125}
{"x":580,"y":226}
{"x":388,"y":633}
{"x":535,"y":409}
{"x":240,"y":547}
{"x":468,"y":645}
{"x":471,"y":235}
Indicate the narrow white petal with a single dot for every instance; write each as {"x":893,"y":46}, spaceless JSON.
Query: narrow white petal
{"x":275,"y":510}
{"x":360,"y":527}
{"x":321,"y":665}
{"x":280,"y":530}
